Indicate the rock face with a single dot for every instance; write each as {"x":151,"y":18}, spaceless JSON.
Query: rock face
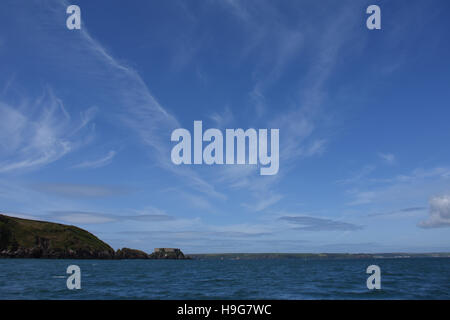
{"x":127,"y":253}
{"x":167,"y":253}
{"x":23,"y":238}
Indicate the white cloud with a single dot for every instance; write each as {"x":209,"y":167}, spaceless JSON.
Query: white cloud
{"x":439,"y":214}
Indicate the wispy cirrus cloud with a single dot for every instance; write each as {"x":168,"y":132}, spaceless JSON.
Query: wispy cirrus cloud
{"x":387,"y":158}
{"x":97,"y":163}
{"x":20,"y":215}
{"x":362,"y":197}
{"x":263,"y":202}
{"x":409,"y":186}
{"x":404,"y":211}
{"x":73,"y":190}
{"x":419,"y":174}
{"x":89,"y":217}
{"x":144,"y":114}
{"x":83,"y":217}
{"x":119,"y":88}
{"x":303,"y":115}
{"x":38,"y":132}
{"x":77,"y":217}
{"x":197,"y":200}
{"x":358,"y":175}
{"x":307,"y":223}
{"x":223,"y":119}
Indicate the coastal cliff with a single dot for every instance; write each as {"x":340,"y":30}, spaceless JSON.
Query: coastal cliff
{"x":24,"y":238}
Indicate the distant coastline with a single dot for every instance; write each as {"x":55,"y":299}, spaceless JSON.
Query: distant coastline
{"x":317,"y":256}
{"x":25,"y":238}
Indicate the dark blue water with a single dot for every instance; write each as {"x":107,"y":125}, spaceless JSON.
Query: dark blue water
{"x":426,"y":278}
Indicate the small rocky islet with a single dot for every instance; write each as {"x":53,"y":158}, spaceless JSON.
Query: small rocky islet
{"x":25,"y":238}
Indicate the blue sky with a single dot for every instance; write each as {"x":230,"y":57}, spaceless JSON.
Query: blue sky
{"x":86,"y":118}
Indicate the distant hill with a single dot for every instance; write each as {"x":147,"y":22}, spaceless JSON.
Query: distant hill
{"x":24,"y":238}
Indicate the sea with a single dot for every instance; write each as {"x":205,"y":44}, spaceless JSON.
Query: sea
{"x":296,"y":278}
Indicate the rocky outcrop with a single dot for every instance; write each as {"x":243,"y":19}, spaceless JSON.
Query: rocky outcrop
{"x":127,"y":253}
{"x":167,"y":253}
